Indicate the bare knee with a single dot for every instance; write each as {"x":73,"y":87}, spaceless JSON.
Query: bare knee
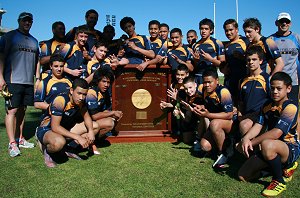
{"x":267,"y":149}
{"x":245,"y":125}
{"x":205,"y":145}
{"x":55,"y":144}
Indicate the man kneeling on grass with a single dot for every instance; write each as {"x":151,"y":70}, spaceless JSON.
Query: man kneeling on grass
{"x":279,"y":146}
{"x":98,"y":102}
{"x":66,"y":119}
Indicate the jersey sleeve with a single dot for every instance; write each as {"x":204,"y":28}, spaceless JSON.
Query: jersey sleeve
{"x":57,"y":106}
{"x":44,"y":50}
{"x":226,"y":100}
{"x":287,"y":118}
{"x":40,"y":94}
{"x":273,"y":49}
{"x":220,"y":48}
{"x":92,"y":102}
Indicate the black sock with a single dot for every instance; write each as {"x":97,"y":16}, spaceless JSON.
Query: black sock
{"x":276,"y":168}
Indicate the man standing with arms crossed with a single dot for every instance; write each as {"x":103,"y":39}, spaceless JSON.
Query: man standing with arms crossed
{"x":19,"y":52}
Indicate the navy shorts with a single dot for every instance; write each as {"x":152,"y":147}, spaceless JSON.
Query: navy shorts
{"x":41,"y":131}
{"x":22,"y":95}
{"x":294,"y":95}
{"x":294,"y":153}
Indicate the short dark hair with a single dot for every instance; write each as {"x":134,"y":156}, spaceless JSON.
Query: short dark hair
{"x":153,"y":22}
{"x":79,"y":82}
{"x":126,"y":20}
{"x":82,"y":29}
{"x":182,"y":67}
{"x":208,"y":22}
{"x":99,"y":44}
{"x":210,"y":71}
{"x":282,"y":76}
{"x":230,"y":21}
{"x":192,"y":31}
{"x":91,"y":11}
{"x":100,"y":74}
{"x":57,"y":23}
{"x":255,"y":49}
{"x":56,"y":57}
{"x":189,"y":79}
{"x":176,"y":30}
{"x":164,"y":25}
{"x":107,"y":27}
{"x":252,"y":23}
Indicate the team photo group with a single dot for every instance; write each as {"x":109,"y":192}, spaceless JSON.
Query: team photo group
{"x":252,"y":111}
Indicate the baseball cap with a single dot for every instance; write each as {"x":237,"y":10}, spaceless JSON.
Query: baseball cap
{"x":24,"y":15}
{"x":284,"y":15}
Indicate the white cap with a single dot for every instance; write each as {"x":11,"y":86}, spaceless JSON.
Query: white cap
{"x":284,"y":15}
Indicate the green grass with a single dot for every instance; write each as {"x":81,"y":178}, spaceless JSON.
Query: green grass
{"x":123,"y":170}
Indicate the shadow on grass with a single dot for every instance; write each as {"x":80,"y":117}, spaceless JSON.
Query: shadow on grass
{"x":33,"y":121}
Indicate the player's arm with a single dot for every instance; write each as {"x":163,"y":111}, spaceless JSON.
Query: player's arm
{"x":105,"y":114}
{"x":2,"y":81}
{"x":41,"y":105}
{"x":279,"y":65}
{"x":148,"y":53}
{"x":88,"y":122}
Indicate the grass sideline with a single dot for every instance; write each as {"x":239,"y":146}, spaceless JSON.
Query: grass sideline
{"x":123,"y":170}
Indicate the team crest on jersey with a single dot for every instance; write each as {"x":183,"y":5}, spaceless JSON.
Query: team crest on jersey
{"x":54,"y":88}
{"x":244,"y":87}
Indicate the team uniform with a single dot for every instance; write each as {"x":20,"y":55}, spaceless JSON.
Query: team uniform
{"x":271,"y":52}
{"x":134,"y":56}
{"x":49,"y":88}
{"x":218,"y":101}
{"x":93,"y":37}
{"x":75,"y":58}
{"x":93,"y":65}
{"x":254,"y":92}
{"x":235,"y":59}
{"x":97,"y":101}
{"x":48,"y":48}
{"x":21,"y":52}
{"x":289,"y":48}
{"x":61,"y":106}
{"x":211,"y":46}
{"x":156,"y":44}
{"x":284,"y":118}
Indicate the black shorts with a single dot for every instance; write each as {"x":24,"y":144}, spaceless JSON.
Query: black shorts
{"x":22,"y":95}
{"x":252,"y":116}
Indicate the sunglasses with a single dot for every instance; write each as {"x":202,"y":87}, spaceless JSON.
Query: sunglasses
{"x":284,"y":21}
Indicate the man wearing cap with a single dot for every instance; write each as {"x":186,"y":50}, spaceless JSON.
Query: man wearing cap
{"x":19,"y":52}
{"x":288,"y":44}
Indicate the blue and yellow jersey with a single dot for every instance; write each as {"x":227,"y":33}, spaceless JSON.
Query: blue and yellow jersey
{"x":281,"y":117}
{"x":211,"y":46}
{"x":182,"y":52}
{"x":235,"y":57}
{"x":167,"y":44}
{"x":271,"y":53}
{"x":62,"y":106}
{"x":93,"y":37}
{"x":156,"y":44}
{"x":49,"y":88}
{"x":93,"y":65}
{"x":254,"y":92}
{"x":217,"y":101}
{"x":134,"y":56}
{"x":74,"y":55}
{"x":97,"y":101}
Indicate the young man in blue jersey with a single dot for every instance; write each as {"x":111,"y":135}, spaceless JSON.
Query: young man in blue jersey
{"x":94,"y":35}
{"x":218,"y":108}
{"x":252,"y":29}
{"x":191,"y":37}
{"x":53,"y":85}
{"x":51,"y":46}
{"x":288,"y":43}
{"x":66,"y":119}
{"x":279,"y":147}
{"x":137,"y":47}
{"x":164,"y":31}
{"x":254,"y":90}
{"x":99,"y":102}
{"x":208,"y":51}
{"x":19,"y":52}
{"x":234,"y":68}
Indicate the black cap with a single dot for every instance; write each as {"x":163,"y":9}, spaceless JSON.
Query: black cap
{"x":24,"y":15}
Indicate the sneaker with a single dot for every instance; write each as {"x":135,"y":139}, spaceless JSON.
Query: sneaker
{"x":50,"y":163}
{"x":72,"y":155}
{"x":274,"y":189}
{"x":197,"y":147}
{"x":24,"y":143}
{"x":288,"y":173}
{"x":219,"y":163}
{"x":13,"y":149}
{"x":93,"y":149}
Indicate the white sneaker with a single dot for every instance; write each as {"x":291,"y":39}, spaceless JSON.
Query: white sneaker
{"x":222,"y":159}
{"x":25,"y":144}
{"x":13,"y":149}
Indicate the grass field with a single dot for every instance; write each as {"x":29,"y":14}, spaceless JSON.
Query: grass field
{"x":123,"y":170}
